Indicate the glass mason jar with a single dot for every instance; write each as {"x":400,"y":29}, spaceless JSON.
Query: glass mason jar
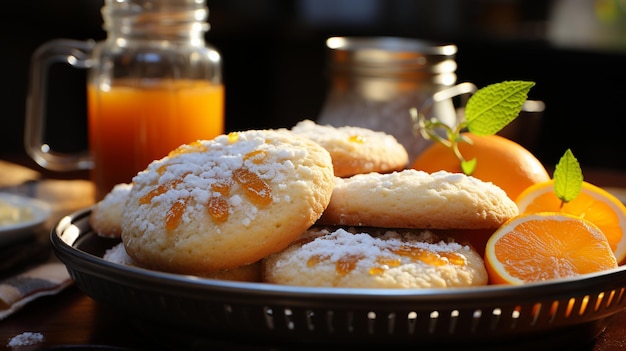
{"x":375,"y":81}
{"x":153,"y":84}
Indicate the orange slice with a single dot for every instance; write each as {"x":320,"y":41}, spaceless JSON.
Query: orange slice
{"x":548,"y":245}
{"x":593,"y":203}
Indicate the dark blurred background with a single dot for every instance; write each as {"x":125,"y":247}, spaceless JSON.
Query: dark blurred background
{"x":275,"y":63}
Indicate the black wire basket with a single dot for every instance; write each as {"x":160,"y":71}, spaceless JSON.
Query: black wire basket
{"x":576,"y":309}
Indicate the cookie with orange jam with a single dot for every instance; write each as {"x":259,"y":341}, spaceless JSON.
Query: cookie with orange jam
{"x":375,"y":258}
{"x":248,"y":273}
{"x":356,"y":150}
{"x":227,"y":202}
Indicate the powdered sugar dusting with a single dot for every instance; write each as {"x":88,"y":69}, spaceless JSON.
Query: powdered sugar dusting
{"x":340,"y":244}
{"x":192,"y":174}
{"x":25,"y":339}
{"x":331,"y":134}
{"x":117,"y":254}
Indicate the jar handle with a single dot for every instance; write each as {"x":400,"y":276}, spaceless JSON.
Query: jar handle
{"x":77,"y":54}
{"x":441,"y":104}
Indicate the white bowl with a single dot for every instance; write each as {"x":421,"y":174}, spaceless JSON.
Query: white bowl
{"x":40,"y":211}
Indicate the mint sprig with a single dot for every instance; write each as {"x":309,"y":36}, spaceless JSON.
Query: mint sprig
{"x":487,"y":111}
{"x":568,"y":178}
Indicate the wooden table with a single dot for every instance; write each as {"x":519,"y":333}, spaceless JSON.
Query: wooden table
{"x":72,"y":319}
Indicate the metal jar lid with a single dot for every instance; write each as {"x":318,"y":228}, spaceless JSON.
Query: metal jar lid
{"x":390,"y":56}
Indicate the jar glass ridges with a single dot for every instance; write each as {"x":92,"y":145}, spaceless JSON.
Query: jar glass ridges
{"x":156,"y":19}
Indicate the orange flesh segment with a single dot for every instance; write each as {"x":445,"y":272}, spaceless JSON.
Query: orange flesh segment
{"x":544,"y":246}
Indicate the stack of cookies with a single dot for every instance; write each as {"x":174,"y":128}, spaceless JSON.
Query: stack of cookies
{"x":309,"y":206}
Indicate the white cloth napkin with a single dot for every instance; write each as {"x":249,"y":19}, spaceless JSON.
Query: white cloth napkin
{"x":44,"y":279}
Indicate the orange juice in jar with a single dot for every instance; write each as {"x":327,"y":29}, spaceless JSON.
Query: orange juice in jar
{"x":130,"y":126}
{"x":152,"y":85}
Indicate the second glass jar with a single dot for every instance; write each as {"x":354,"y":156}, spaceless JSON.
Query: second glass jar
{"x":375,"y":81}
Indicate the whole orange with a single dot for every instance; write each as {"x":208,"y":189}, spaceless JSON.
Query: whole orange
{"x":501,"y":161}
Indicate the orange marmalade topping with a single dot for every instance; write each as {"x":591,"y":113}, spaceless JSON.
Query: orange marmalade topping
{"x":162,"y":169}
{"x":195,"y":146}
{"x":233,"y":137}
{"x":356,"y":139}
{"x":383,"y":263}
{"x":347,"y":263}
{"x":453,"y":258}
{"x":316,"y":259}
{"x":161,"y":189}
{"x":217,"y":205}
{"x":429,"y":257}
{"x":218,"y":208}
{"x":173,"y":215}
{"x":222,"y":188}
{"x":257,"y":156}
{"x":257,"y":191}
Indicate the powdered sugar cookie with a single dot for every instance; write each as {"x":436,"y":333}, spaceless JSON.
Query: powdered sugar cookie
{"x":117,"y":254}
{"x":379,"y":259}
{"x":220,"y":204}
{"x":356,"y":150}
{"x":416,"y":199}
{"x":106,"y":215}
{"x":248,"y":273}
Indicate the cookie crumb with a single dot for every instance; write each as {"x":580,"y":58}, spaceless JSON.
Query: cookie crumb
{"x":25,"y":339}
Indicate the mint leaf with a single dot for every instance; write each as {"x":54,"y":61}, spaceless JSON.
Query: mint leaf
{"x":493,"y":107}
{"x":468,"y":167}
{"x":568,"y":177}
